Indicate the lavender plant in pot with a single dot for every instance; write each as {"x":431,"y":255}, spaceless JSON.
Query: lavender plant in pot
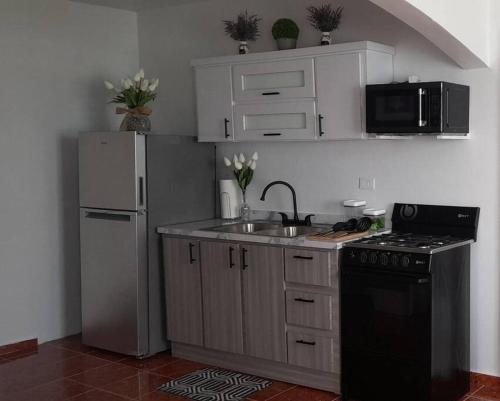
{"x":244,"y":29}
{"x":325,"y":19}
{"x":285,"y":32}
{"x":243,"y":171}
{"x":135,"y":94}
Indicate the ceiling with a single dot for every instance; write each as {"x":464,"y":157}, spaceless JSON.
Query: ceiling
{"x":136,"y":5}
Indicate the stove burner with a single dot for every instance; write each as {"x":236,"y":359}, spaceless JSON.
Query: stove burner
{"x":409,"y":241}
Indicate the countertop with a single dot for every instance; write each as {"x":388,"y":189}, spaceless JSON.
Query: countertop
{"x":199,"y":229}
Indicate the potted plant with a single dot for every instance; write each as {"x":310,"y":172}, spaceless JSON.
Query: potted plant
{"x":285,"y":32}
{"x":325,"y":19}
{"x":135,"y":94}
{"x":244,"y":29}
{"x":243,"y":171}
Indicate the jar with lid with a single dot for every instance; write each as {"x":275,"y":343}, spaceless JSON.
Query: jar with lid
{"x":378,"y":218}
{"x":354,"y":208}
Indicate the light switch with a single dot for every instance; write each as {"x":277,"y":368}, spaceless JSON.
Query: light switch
{"x":367,"y":184}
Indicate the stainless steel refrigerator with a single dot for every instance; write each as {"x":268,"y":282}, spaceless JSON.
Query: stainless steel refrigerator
{"x":131,"y":183}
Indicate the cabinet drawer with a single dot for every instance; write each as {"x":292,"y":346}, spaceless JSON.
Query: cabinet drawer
{"x":308,"y":267}
{"x":309,"y":309}
{"x":311,"y":351}
{"x":275,"y":80}
{"x":272,"y":121}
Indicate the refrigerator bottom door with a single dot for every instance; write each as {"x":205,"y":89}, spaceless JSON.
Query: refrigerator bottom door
{"x":114,"y":280}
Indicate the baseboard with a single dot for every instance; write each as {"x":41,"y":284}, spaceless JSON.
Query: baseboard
{"x":21,"y":347}
{"x":478,"y":379}
{"x":260,"y":367}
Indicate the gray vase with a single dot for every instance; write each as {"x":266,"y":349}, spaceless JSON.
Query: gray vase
{"x":286,"y":43}
{"x":136,"y":123}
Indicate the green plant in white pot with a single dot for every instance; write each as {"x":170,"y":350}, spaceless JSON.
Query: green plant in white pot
{"x":285,"y":32}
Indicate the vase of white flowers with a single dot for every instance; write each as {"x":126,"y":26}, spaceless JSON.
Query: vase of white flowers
{"x":135,"y":94}
{"x":243,"y":170}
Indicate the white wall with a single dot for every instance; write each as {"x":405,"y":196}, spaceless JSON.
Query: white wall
{"x":421,"y":170}
{"x":54,"y":56}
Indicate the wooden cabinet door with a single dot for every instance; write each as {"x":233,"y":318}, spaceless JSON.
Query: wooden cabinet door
{"x":214,"y":103}
{"x":339,"y":90}
{"x":183,"y":291}
{"x":264,"y":302}
{"x":222,"y":307}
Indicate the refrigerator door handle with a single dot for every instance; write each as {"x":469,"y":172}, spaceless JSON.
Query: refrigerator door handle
{"x":141,"y":191}
{"x":108,"y":215}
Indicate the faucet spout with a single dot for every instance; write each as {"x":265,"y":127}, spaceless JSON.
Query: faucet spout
{"x":294,"y":196}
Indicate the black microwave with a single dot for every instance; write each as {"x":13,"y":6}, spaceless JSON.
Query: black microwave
{"x":417,"y":108}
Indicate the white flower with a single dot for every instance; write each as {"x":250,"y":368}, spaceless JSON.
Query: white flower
{"x":227,"y":162}
{"x":242,"y":158}
{"x":154,"y":85}
{"x":249,"y":163}
{"x":254,"y":165}
{"x":139,"y":75}
{"x":144,"y":85}
{"x":127,"y":84}
{"x":255,"y":156}
{"x":238,"y":165}
{"x":109,"y":85}
{"x":235,"y":159}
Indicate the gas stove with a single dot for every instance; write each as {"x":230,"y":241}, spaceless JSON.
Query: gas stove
{"x":409,"y":242}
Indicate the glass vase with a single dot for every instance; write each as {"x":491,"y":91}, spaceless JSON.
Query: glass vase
{"x":245,"y":208}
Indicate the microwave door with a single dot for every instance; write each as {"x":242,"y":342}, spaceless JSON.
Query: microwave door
{"x":112,"y":170}
{"x":397,"y":111}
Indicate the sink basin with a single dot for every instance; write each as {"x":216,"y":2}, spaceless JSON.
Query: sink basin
{"x":290,"y":232}
{"x":245,"y":228}
{"x":268,"y":229}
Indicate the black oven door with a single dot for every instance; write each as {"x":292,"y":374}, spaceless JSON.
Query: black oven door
{"x":386,"y":340}
{"x":400,"y":109}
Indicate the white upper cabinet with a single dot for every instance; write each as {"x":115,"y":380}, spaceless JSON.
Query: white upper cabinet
{"x":274,"y":80}
{"x":214,"y":103}
{"x":308,"y":94}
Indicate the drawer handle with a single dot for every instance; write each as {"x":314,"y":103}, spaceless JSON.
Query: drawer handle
{"x":273,"y":134}
{"x":306,"y":342}
{"x":303,"y":257}
{"x":309,"y":301}
{"x":231,"y":262}
{"x":270,"y":93}
{"x":191,"y":258}
{"x":244,"y":258}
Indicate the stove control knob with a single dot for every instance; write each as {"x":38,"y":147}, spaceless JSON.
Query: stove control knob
{"x":363,"y":257}
{"x":395,"y":260}
{"x":384,"y":259}
{"x":405,"y":261}
{"x":373,"y":258}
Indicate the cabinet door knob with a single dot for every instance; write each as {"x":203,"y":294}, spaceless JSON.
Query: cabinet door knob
{"x":191,"y":257}
{"x":244,"y":258}
{"x":320,"y":121}
{"x":226,"y":131}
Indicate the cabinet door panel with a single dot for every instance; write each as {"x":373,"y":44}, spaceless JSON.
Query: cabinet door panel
{"x":264,"y":302}
{"x":339,"y":87}
{"x":183,"y":291}
{"x":222,"y":307}
{"x":275,"y":121}
{"x":214,"y":103}
{"x":274,"y":80}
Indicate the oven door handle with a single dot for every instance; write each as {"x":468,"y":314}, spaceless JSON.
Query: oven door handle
{"x":388,"y":277}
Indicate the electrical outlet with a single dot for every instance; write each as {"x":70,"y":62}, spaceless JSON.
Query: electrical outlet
{"x":367,"y":184}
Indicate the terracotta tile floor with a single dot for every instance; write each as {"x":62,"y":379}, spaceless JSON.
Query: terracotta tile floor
{"x":68,"y":370}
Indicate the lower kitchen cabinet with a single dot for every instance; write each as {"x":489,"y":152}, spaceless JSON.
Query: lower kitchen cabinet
{"x":222,"y":306}
{"x":183,"y":290}
{"x":263,"y":302}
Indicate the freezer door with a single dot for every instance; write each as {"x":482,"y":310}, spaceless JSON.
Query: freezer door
{"x":112,"y":170}
{"x":114,"y":281}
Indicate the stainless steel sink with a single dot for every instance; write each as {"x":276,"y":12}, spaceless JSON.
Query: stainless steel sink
{"x":293,"y":231}
{"x":245,"y":228}
{"x":268,"y":229}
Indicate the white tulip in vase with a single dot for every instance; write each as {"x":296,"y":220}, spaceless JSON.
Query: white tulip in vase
{"x":243,"y":171}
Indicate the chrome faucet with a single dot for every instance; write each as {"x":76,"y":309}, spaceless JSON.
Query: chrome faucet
{"x":284,"y":217}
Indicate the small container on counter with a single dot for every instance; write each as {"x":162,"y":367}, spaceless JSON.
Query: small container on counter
{"x":378,"y":218}
{"x":354,"y":208}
